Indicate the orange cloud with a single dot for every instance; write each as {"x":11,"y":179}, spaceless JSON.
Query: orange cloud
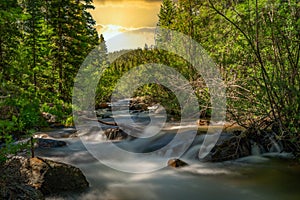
{"x":129,"y":13}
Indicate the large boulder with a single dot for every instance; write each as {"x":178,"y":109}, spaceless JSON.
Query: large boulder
{"x":24,"y":178}
{"x":13,"y":183}
{"x":52,"y":177}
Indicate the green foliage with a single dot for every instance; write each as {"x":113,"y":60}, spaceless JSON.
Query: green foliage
{"x":10,"y":15}
{"x":269,"y":30}
{"x":42,"y":46}
{"x":7,"y":142}
{"x":69,"y":121}
{"x":124,"y":61}
{"x":256,"y":45}
{"x":29,"y":113}
{"x":59,"y":108}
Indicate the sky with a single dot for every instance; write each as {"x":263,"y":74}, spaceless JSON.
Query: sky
{"x":126,"y":24}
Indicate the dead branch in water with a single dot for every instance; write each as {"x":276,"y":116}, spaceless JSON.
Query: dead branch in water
{"x":108,"y":123}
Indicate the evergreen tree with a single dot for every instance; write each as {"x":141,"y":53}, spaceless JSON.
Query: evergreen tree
{"x":10,"y":16}
{"x":167,"y":17}
{"x":74,"y":36}
{"x":103,"y":49}
{"x":35,"y":42}
{"x":167,"y":14}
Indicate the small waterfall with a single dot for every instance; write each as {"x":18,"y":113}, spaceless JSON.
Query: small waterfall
{"x":255,"y":149}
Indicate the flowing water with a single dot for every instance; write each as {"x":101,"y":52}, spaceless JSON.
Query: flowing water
{"x":253,"y":177}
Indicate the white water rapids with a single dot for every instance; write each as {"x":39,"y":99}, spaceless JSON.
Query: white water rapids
{"x":254,"y":177}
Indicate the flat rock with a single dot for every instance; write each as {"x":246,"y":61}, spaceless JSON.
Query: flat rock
{"x":49,"y":143}
{"x":63,"y":133}
{"x":60,"y":133}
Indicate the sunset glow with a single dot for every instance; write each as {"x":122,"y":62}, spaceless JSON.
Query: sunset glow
{"x":111,"y":30}
{"x":133,"y":20}
{"x":118,"y":37}
{"x":130,"y":13}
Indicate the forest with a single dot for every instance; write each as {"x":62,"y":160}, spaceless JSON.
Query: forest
{"x":42,"y":45}
{"x":255,"y":45}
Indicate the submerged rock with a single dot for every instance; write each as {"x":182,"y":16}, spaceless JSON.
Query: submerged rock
{"x":176,"y":163}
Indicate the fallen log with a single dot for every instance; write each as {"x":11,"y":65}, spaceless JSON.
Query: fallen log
{"x":100,"y":121}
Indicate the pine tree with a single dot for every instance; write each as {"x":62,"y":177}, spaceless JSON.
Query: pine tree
{"x":167,"y":17}
{"x":10,"y":16}
{"x":167,"y":14}
{"x":74,"y":36}
{"x":35,"y":41}
{"x":103,"y":48}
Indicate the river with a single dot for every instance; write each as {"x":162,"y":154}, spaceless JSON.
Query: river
{"x":253,"y":177}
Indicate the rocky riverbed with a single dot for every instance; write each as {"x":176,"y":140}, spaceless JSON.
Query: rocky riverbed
{"x":235,"y":168}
